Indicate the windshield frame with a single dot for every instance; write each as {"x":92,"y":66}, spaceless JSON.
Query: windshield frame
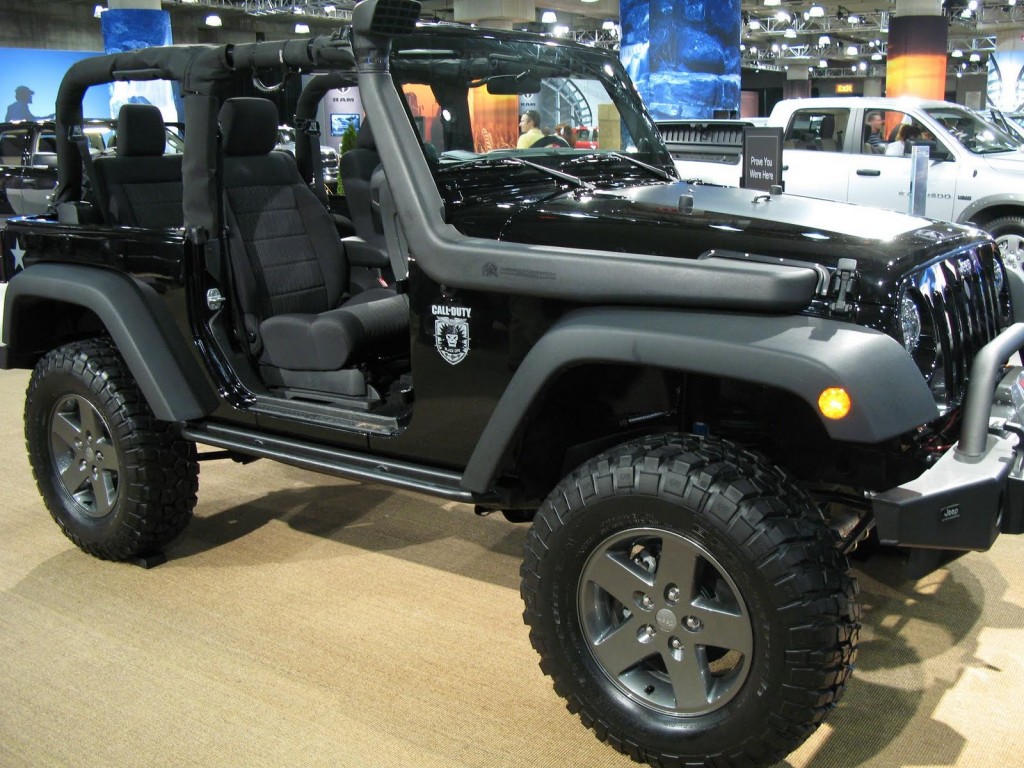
{"x":454,"y":61}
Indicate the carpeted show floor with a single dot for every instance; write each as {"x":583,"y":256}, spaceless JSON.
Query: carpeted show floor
{"x":307,"y":621}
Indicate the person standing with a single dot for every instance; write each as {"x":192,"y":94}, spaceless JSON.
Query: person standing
{"x":529,"y":129}
{"x":19,"y":109}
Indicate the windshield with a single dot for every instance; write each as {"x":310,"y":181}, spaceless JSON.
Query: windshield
{"x":974,"y":134}
{"x":480,"y":99}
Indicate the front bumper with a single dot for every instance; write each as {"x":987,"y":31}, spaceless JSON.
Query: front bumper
{"x":976,"y":489}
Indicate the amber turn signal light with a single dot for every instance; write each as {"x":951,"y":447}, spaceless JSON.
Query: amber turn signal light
{"x":834,"y":403}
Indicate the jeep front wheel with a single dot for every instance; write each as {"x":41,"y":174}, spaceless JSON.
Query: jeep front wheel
{"x":689,"y":603}
{"x":117,"y":481}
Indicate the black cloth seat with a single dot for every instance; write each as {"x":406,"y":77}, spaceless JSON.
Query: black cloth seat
{"x":142,"y":184}
{"x":357,"y":167}
{"x":292,"y":275}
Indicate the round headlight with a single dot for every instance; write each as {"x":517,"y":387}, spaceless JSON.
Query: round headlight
{"x":910,"y":323}
{"x":1000,"y":276}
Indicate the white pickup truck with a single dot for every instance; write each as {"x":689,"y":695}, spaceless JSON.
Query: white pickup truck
{"x":976,"y":174}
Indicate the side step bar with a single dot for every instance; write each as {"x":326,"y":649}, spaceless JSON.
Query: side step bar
{"x":334,"y":461}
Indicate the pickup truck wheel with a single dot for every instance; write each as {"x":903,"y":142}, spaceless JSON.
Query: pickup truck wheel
{"x":689,"y":603}
{"x":1008,"y":232}
{"x":118,"y":482}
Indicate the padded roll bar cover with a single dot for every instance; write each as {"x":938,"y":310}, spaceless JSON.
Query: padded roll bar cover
{"x":802,"y":355}
{"x":171,"y":380}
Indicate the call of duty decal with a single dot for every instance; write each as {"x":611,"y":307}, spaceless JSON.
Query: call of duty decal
{"x":451,"y":332}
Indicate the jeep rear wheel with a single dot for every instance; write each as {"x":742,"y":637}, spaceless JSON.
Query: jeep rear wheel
{"x":118,"y":482}
{"x":689,"y":603}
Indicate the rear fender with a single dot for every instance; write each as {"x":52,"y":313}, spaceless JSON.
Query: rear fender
{"x":140,"y":325}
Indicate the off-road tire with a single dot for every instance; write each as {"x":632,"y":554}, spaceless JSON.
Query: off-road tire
{"x":129,"y":481}
{"x":759,"y":532}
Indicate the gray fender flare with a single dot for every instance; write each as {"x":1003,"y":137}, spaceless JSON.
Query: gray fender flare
{"x":803,"y":355}
{"x":171,"y":380}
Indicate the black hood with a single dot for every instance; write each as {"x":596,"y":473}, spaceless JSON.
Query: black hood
{"x":658,"y":219}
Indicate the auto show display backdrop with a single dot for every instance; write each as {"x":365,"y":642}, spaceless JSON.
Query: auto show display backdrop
{"x":683,"y":55}
{"x":126,"y":29}
{"x":30,"y":77}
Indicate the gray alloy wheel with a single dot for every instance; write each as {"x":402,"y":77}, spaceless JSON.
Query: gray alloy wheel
{"x":689,"y":603}
{"x":119,"y":482}
{"x":665,"y":622}
{"x":85,"y":457}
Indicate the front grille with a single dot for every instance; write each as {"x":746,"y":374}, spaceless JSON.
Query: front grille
{"x":961,"y":311}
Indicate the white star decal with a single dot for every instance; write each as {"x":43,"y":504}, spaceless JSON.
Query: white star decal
{"x":19,"y":256}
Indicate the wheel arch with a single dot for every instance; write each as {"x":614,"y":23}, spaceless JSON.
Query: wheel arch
{"x":983,"y":210}
{"x":129,"y":311}
{"x":794,"y":354}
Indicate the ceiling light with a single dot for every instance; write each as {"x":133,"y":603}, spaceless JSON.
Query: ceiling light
{"x":975,"y":57}
{"x":753,"y":49}
{"x":775,"y":47}
{"x":213,"y":20}
{"x":972,"y":4}
{"x":330,"y":9}
{"x":98,"y":11}
{"x":959,"y":74}
{"x":876,"y":56}
{"x":1012,"y":2}
{"x":743,"y":47}
{"x":301,"y":29}
{"x":782,"y":16}
{"x":853,"y":68}
{"x":965,"y":13}
{"x":754,"y":24}
{"x":863,"y":65}
{"x":957,"y":53}
{"x":824,"y":40}
{"x":548,"y":17}
{"x":608,"y":25}
{"x":853,"y":18}
{"x":772,"y":2}
{"x":816,"y":12}
{"x":851,"y":50}
{"x":561,"y":30}
{"x":823,"y":64}
{"x":789,"y":33}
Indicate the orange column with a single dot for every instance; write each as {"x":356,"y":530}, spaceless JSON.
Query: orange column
{"x":917,"y":51}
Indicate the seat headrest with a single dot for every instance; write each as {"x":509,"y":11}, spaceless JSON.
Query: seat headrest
{"x":364,"y":140}
{"x":249,"y":126}
{"x":140,"y":131}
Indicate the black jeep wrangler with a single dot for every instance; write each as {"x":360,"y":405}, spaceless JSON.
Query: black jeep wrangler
{"x":703,"y":398}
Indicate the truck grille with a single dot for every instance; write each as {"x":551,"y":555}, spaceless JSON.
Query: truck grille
{"x":961,"y":311}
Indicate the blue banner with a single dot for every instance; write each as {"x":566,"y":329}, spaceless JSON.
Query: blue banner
{"x":683,"y":55}
{"x":128,"y":29}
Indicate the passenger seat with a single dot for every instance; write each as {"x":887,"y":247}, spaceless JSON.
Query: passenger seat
{"x":292,"y":274}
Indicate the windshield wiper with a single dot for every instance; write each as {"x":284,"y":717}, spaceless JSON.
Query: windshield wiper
{"x":660,"y":172}
{"x":576,"y":181}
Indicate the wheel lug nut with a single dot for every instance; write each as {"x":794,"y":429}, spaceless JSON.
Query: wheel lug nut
{"x":646,"y":602}
{"x":672,"y":594}
{"x":693,"y":624}
{"x":675,"y":644}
